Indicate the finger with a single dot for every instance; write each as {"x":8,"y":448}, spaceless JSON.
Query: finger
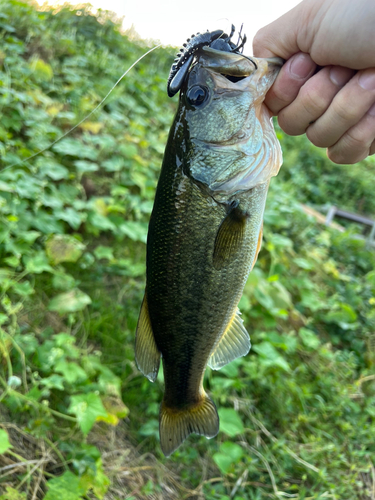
{"x":313,"y":99}
{"x":283,"y":38}
{"x":346,"y":109}
{"x":295,"y":72}
{"x":357,"y":142}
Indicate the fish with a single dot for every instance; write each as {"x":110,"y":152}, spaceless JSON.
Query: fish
{"x":205,"y":233}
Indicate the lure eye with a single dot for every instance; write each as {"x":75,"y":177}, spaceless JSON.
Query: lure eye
{"x":197,"y":95}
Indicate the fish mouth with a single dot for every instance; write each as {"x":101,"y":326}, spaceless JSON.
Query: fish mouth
{"x":237,"y":65}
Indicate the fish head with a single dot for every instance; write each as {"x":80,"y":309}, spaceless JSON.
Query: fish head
{"x":231,"y":143}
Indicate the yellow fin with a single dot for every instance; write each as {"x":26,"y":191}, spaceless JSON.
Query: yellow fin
{"x":147,"y":355}
{"x":229,"y":237}
{"x":235,"y":342}
{"x":260,"y":239}
{"x":176,"y":425}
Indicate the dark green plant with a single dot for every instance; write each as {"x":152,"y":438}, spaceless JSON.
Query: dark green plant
{"x":296,"y":414}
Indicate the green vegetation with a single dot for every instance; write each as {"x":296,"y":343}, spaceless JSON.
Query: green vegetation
{"x":77,"y":420}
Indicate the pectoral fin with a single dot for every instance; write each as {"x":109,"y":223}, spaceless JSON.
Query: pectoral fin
{"x":147,"y":355}
{"x":230,"y":236}
{"x":235,"y":342}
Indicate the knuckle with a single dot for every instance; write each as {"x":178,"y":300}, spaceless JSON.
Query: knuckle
{"x":351,"y":148}
{"x":261,"y":40}
{"x":313,"y":101}
{"x":289,"y":125}
{"x":355,"y":140}
{"x":258,"y":40}
{"x":316,"y":138}
{"x":336,"y":157}
{"x":343,"y":156}
{"x":344,"y":111}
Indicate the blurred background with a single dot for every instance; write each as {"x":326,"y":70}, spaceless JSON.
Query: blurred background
{"x":77,"y":419}
{"x":172,"y":23}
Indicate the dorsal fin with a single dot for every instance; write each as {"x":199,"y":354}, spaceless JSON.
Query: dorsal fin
{"x":235,"y":342}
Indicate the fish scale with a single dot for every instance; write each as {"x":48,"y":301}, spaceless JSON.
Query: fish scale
{"x":202,"y":242}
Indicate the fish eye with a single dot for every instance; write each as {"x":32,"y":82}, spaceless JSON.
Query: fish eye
{"x":197,"y":95}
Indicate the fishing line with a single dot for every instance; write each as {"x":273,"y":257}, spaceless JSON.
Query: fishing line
{"x":20,"y":162}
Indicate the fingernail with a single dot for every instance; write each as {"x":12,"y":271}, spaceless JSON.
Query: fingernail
{"x":367,"y":80}
{"x":301,"y":66}
{"x":339,"y":75}
{"x":371,"y":111}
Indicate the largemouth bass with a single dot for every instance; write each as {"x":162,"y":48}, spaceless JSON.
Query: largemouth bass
{"x":205,"y":233}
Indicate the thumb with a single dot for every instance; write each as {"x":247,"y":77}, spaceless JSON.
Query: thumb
{"x":288,"y":34}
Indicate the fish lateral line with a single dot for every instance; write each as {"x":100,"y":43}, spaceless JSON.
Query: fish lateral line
{"x":47,"y":148}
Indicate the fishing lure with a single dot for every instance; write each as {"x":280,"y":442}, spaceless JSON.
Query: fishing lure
{"x":214,"y":39}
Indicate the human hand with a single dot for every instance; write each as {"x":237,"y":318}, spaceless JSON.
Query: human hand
{"x":335,"y":106}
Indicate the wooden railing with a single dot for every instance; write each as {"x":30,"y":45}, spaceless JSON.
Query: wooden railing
{"x":336,"y":212}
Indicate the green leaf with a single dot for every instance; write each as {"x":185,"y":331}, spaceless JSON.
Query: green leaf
{"x":12,"y":494}
{"x":304,"y":263}
{"x":50,"y":168}
{"x":71,"y":216}
{"x":269,"y":356}
{"x":74,"y":147}
{"x":230,"y":454}
{"x":72,"y":372}
{"x":69,"y":302}
{"x":42,"y":71}
{"x":3,"y":318}
{"x":114,"y":164}
{"x":150,"y":428}
{"x":342,"y":315}
{"x":63,"y":281}
{"x":37,"y":263}
{"x":101,"y":222}
{"x":102,"y":252}
{"x":87,"y":408}
{"x":53,"y":382}
{"x":137,"y":231}
{"x":223,"y":462}
{"x":12,"y":261}
{"x":86,"y":166}
{"x":23,"y":289}
{"x":46,"y":223}
{"x":63,"y":248}
{"x":65,"y":487}
{"x":95,"y":479}
{"x":4,"y":442}
{"x":309,"y":338}
{"x":230,"y":422}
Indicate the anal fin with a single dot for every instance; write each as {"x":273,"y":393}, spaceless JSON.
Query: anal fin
{"x":234,"y":343}
{"x":147,"y":355}
{"x":177,"y":424}
{"x":230,"y":236}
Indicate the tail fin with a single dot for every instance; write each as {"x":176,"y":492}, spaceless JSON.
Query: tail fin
{"x":176,"y":425}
